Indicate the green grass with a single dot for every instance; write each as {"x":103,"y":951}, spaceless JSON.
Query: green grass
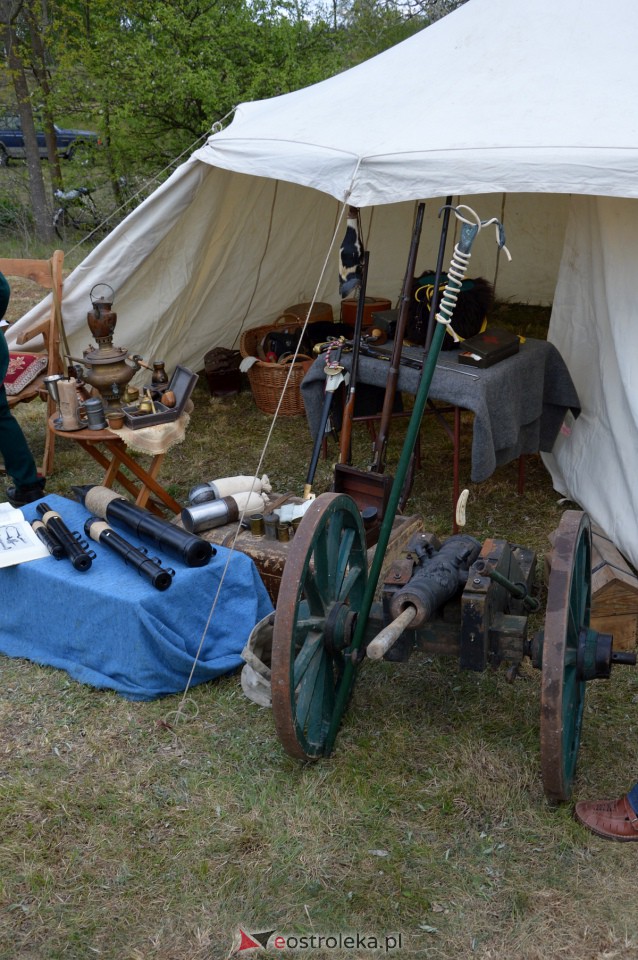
{"x":129,"y":838}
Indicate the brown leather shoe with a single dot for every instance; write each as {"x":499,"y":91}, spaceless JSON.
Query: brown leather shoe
{"x":613,"y":819}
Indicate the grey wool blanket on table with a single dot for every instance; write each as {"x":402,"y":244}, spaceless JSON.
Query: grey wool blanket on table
{"x":519,"y":404}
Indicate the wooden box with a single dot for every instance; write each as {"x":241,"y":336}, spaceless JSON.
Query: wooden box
{"x":614,"y":588}
{"x":269,"y":556}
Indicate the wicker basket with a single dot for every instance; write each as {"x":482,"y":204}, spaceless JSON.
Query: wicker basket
{"x":267,"y":380}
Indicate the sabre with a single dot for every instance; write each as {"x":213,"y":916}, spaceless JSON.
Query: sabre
{"x":334,"y":377}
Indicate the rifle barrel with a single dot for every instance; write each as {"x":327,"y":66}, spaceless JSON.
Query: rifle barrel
{"x":345,"y":451}
{"x":381,"y":442}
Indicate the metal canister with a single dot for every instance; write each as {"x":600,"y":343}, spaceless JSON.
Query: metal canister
{"x":204,"y":516}
{"x":257,"y":526}
{"x":283,"y":532}
{"x":271,"y":523}
{"x":201,"y":493}
{"x":369,"y":515}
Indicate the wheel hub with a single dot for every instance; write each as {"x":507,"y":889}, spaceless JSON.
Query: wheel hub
{"x":339,"y":627}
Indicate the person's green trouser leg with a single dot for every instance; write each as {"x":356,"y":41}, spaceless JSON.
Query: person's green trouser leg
{"x":14,"y":449}
{"x":18,"y":459}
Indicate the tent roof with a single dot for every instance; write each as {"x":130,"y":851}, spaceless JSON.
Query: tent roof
{"x":499,"y":96}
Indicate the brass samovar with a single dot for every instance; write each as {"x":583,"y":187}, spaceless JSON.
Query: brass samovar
{"x":107,"y":367}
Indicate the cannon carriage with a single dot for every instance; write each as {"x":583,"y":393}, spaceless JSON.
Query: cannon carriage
{"x":459,"y":597}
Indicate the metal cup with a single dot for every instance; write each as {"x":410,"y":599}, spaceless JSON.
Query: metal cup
{"x":94,"y":409}
{"x":283,"y":532}
{"x":51,"y":386}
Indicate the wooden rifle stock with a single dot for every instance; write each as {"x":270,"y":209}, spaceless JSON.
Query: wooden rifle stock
{"x":345,"y":452}
{"x":381,"y":442}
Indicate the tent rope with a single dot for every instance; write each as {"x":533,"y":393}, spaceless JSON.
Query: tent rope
{"x":216,"y":127}
{"x":178,"y":714}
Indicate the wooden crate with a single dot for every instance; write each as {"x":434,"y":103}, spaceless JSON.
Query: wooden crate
{"x":269,"y":556}
{"x":614,"y":592}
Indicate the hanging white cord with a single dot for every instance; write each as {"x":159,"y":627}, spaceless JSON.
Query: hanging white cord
{"x":178,"y":713}
{"x":459,"y":264}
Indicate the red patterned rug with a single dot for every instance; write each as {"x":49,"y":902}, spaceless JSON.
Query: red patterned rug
{"x":23,"y":368}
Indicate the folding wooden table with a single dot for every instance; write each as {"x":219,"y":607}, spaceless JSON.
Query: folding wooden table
{"x":110,"y":451}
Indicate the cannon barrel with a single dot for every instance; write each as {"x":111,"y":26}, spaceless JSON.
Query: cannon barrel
{"x":437,"y":578}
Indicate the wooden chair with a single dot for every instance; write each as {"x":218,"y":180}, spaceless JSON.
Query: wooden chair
{"x":46,"y":274}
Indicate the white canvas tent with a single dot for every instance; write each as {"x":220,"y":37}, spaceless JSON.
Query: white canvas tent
{"x":523,"y":110}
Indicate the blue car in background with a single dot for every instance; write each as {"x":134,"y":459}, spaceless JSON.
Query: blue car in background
{"x":12,"y":141}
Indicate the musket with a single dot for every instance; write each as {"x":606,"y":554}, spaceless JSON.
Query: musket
{"x":409,"y":480}
{"x":345,"y":450}
{"x":381,"y":442}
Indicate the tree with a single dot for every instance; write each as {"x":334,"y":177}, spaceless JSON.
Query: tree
{"x":433,"y":10}
{"x":160,"y":72}
{"x":10,"y":14}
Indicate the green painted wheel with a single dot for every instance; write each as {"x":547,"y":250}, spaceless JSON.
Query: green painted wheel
{"x":321,"y":592}
{"x":562,"y":688}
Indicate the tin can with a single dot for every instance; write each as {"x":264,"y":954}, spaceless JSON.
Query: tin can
{"x":271,"y":523}
{"x":257,"y":526}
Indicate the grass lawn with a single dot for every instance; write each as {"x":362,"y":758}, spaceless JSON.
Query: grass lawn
{"x":130,"y":838}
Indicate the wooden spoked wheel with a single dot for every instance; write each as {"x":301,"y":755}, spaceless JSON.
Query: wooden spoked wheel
{"x":321,"y":591}
{"x":562,"y":688}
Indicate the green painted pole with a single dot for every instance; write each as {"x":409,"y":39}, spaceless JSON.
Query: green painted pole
{"x":468,"y":234}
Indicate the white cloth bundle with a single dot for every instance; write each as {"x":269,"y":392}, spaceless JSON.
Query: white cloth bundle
{"x":230,"y":486}
{"x":250,"y":502}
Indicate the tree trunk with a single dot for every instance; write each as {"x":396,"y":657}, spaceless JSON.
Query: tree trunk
{"x":37,"y":192}
{"x":41,"y":74}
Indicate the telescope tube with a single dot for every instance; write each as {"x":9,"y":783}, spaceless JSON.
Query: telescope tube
{"x":192,"y":550}
{"x":100,"y":531}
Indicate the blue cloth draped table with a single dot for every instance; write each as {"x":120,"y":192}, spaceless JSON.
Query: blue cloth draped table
{"x":110,"y":628}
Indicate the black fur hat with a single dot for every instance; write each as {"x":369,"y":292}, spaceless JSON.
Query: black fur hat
{"x":475,"y":300}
